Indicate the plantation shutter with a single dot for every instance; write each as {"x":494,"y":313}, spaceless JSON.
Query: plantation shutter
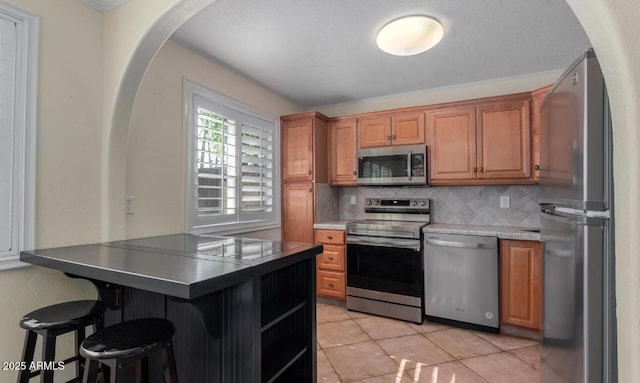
{"x":234,"y":166}
{"x":7,"y":125}
{"x":257,"y":171}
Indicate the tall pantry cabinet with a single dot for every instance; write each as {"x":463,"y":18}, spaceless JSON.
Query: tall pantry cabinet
{"x":304,"y":164}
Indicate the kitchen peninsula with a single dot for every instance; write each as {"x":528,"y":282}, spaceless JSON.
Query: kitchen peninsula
{"x":244,"y":309}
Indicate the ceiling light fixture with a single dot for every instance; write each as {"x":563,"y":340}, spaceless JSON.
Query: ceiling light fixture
{"x":410,"y":35}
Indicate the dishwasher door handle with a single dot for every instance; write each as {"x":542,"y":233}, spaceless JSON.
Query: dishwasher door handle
{"x":468,"y":245}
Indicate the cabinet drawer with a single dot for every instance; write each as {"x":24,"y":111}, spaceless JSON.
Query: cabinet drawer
{"x":334,"y":237}
{"x":331,"y":284}
{"x":332,"y":258}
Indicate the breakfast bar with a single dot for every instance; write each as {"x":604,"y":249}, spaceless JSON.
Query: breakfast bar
{"x":244,"y":309}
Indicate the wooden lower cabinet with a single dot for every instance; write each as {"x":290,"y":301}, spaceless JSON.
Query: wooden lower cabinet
{"x":331,"y":280}
{"x":297,"y":212}
{"x":521,"y":284}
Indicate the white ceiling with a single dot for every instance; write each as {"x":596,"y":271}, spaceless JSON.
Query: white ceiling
{"x":319,"y":53}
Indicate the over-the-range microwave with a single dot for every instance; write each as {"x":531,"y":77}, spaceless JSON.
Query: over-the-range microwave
{"x":392,"y":165}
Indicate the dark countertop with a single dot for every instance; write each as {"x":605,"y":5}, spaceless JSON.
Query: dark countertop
{"x":181,"y":265}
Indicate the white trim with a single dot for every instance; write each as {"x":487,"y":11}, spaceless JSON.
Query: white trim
{"x":27,"y":30}
{"x":189,"y":90}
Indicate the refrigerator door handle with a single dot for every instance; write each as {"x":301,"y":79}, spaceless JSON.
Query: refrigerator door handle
{"x":570,"y":215}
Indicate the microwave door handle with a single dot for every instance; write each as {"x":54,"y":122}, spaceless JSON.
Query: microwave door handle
{"x":409,"y":165}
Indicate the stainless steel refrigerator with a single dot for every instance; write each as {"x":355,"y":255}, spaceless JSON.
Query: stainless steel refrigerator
{"x":576,"y":214}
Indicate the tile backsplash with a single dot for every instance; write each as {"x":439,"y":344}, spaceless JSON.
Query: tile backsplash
{"x":468,"y":205}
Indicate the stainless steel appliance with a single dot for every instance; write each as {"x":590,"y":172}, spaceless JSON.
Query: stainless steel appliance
{"x":392,"y":165}
{"x":576,"y":205}
{"x":384,"y":258}
{"x":461,"y":280}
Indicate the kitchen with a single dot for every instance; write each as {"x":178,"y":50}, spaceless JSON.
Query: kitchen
{"x":136,"y":224}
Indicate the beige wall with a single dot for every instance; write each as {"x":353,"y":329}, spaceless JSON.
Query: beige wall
{"x":156,"y":159}
{"x":69,"y":147}
{"x":445,"y":94}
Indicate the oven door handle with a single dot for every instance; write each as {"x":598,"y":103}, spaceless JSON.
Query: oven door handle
{"x":385,"y":242}
{"x":468,"y":245}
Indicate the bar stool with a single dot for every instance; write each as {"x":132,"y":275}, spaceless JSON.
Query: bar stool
{"x":129,"y":342}
{"x":52,"y":321}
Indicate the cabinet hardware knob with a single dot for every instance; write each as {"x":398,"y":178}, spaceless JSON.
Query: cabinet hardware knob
{"x":388,"y":138}
{"x":355,"y":173}
{"x":331,"y":285}
{"x":310,"y":190}
{"x":330,"y":258}
{"x":329,"y":237}
{"x":308,"y":172}
{"x":474,"y":170}
{"x":481,"y":170}
{"x":393,"y":137}
{"x":536,"y":167}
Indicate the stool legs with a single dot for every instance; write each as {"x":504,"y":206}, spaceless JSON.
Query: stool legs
{"x":27,"y":355}
{"x":80,"y":362}
{"x":91,"y":371}
{"x":48,"y":355}
{"x":169,"y":364}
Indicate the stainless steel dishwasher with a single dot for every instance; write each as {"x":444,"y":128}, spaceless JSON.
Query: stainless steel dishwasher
{"x":461,"y":280}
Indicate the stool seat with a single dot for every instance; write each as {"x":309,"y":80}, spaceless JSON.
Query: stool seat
{"x":51,"y":322}
{"x":68,"y":314}
{"x":132,"y":343}
{"x":128,"y":338}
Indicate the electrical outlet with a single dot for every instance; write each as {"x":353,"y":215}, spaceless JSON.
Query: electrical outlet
{"x":504,"y":201}
{"x":353,"y":199}
{"x":129,"y":205}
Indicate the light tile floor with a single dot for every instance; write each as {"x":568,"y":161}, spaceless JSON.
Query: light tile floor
{"x":357,"y":347}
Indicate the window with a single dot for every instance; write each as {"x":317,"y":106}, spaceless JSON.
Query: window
{"x":18,"y":66}
{"x":233,"y":162}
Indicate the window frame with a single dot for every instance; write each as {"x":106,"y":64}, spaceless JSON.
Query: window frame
{"x":190,"y":91}
{"x":25,"y":123}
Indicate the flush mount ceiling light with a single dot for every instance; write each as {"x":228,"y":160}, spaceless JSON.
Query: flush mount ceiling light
{"x":410,"y":35}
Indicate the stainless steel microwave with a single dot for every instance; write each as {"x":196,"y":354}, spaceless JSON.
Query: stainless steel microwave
{"x":392,"y":165}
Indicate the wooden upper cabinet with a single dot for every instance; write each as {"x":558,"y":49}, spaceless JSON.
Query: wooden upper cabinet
{"x":297,"y":212}
{"x":407,"y":129}
{"x":297,"y":150}
{"x":304,"y":147}
{"x":504,"y":140}
{"x":398,"y":129}
{"x":451,"y":138}
{"x":342,"y":157}
{"x":374,"y":132}
{"x":521,"y":283}
{"x":538,"y":96}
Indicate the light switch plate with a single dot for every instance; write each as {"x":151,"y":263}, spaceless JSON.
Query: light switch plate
{"x":504,"y":201}
{"x":353,"y":199}
{"x":130,"y":205}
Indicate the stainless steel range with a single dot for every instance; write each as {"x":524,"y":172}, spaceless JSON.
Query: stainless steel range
{"x":384,"y":258}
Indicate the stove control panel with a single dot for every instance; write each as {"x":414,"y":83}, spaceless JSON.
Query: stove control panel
{"x":397,"y":203}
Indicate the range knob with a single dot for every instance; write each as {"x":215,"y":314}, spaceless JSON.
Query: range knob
{"x":414,"y":203}
{"x":369,"y":202}
{"x":377,"y":202}
{"x":423,"y":203}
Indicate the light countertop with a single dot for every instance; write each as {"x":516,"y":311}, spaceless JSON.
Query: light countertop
{"x":502,"y":232}
{"x":333,"y":225}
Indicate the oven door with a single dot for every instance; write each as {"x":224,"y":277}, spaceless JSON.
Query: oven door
{"x":389,"y":265}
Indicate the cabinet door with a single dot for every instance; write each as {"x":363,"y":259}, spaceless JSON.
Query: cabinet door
{"x":297,"y":212}
{"x":297,"y":150}
{"x":332,"y":258}
{"x":342,"y":140}
{"x":536,"y":102}
{"x":521,"y":279}
{"x":451,"y":137}
{"x":374,"y":132}
{"x":504,"y":140}
{"x":407,"y":129}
